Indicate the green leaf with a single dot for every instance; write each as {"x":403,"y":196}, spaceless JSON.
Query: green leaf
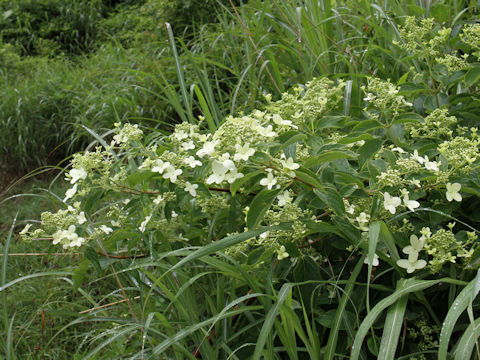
{"x":260,"y":204}
{"x":348,"y":190}
{"x":93,"y":198}
{"x":224,"y":243}
{"x":101,"y":141}
{"x":373,"y":234}
{"x":367,"y":150}
{"x":333,"y":336}
{"x":139,"y":176}
{"x":32,"y":276}
{"x":389,"y":241}
{"x":391,"y":329}
{"x":270,"y":319}
{"x":377,"y":203}
{"x":3,"y":279}
{"x":321,"y":228}
{"x":120,"y":235}
{"x":472,"y":76}
{"x":237,"y":184}
{"x":292,"y":140}
{"x":355,"y":138}
{"x":465,"y":345}
{"x":367,"y":125}
{"x":187,"y":331}
{"x":327,"y":319}
{"x":348,"y":231}
{"x":205,"y":108}
{"x":328,"y":157}
{"x":332,"y":198}
{"x":458,"y":307}
{"x":91,"y":255}
{"x":255,"y":255}
{"x":404,"y":287}
{"x":308,"y":177}
{"x":331,"y":122}
{"x":408,"y":118}
{"x":79,"y":274}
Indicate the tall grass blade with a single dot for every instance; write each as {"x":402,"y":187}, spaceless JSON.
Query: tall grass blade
{"x":373,"y":234}
{"x":404,"y":287}
{"x":237,"y":89}
{"x":225,"y":243}
{"x":6,"y":250}
{"x":391,"y":329}
{"x":32,"y":276}
{"x":269,"y":321}
{"x":164,"y":345}
{"x":178,"y":67}
{"x":458,"y":307}
{"x":348,"y":97}
{"x":340,"y":313}
{"x":205,"y":109}
{"x":100,"y":139}
{"x":111,"y":338}
{"x":465,"y":345}
{"x":10,"y":340}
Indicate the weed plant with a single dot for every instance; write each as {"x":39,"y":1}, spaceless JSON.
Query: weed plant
{"x":331,"y":219}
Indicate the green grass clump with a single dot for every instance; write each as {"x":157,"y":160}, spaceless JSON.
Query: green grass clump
{"x":45,"y":312}
{"x":316,"y":200}
{"x":45,"y":102}
{"x":54,"y":28}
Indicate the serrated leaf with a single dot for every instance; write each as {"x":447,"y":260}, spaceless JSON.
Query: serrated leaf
{"x":329,"y":156}
{"x":255,"y":255}
{"x":93,"y":257}
{"x":259,"y":206}
{"x":367,"y":150}
{"x":120,"y":235}
{"x":332,"y":199}
{"x":292,"y":140}
{"x":347,"y":230}
{"x":408,"y":118}
{"x":331,"y":122}
{"x":367,"y":125}
{"x":355,"y":138}
{"x":321,"y":228}
{"x":286,"y":139}
{"x":348,"y":190}
{"x":308,"y":177}
{"x":327,"y":319}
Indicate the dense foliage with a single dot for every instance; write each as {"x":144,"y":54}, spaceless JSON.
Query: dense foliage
{"x":317,"y":204}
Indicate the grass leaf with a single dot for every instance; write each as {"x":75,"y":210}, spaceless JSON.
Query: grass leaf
{"x":391,"y":329}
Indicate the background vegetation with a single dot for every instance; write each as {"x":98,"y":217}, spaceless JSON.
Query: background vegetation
{"x":71,"y":69}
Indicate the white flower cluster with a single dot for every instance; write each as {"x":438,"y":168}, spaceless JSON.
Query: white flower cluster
{"x":68,"y":238}
{"x":416,"y":245}
{"x":391,"y":203}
